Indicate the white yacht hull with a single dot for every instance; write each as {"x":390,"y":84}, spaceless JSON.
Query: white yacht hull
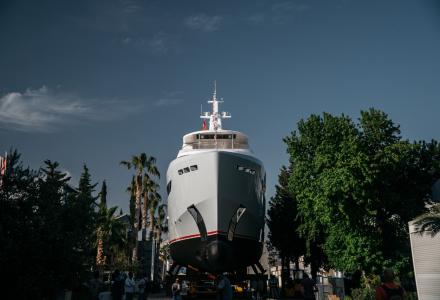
{"x":205,"y":203}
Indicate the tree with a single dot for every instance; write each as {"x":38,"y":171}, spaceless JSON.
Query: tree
{"x":103,"y":194}
{"x":282,"y":221}
{"x":162,"y":222}
{"x":357,"y":186}
{"x":144,"y":166}
{"x":112,"y":234}
{"x":154,"y":201}
{"x":132,"y":208}
{"x":151,"y":199}
{"x":19,"y":199}
{"x":102,"y":214}
{"x":46,"y":230}
{"x":85,"y":204}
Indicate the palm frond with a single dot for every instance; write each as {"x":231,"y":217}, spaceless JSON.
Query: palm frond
{"x":125,"y":163}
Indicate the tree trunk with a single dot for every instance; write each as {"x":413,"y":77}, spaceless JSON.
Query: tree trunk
{"x":153,"y":258}
{"x":152,"y":223}
{"x":100,"y":257}
{"x":285,"y":272}
{"x":296,"y":263}
{"x":136,"y":219}
{"x":144,"y":216}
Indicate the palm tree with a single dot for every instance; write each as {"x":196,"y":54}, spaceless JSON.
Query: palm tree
{"x":111,"y":234}
{"x":132,"y":245}
{"x":149,"y":194}
{"x":144,"y":165}
{"x":155,"y":199}
{"x":100,"y":256}
{"x":430,"y":221}
{"x":162,"y":221}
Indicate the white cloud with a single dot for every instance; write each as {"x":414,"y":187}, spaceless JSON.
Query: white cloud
{"x":204,"y":22}
{"x":127,"y":40}
{"x":256,"y":18}
{"x":44,"y":110}
{"x":284,"y":11}
{"x":170,"y":98}
{"x":159,"y":43}
{"x":289,"y":6}
{"x":131,"y":6}
{"x":167,"y":101}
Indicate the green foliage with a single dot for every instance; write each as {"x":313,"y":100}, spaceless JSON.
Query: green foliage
{"x":85,"y":187}
{"x":411,"y":296}
{"x":367,"y":291}
{"x":112,"y":232}
{"x":49,"y":230}
{"x":132,"y":202}
{"x":103,"y":194}
{"x":282,"y":222}
{"x":143,"y":192}
{"x":357,"y":186}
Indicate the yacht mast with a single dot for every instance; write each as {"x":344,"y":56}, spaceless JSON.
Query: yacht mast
{"x":215,"y":117}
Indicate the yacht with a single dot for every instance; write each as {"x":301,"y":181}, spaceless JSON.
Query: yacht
{"x":216,"y":198}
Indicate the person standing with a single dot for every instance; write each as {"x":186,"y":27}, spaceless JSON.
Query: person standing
{"x":224,"y":288}
{"x":273,"y":287}
{"x":308,"y":287}
{"x":142,"y":285}
{"x":95,"y":285}
{"x":389,"y":290}
{"x":129,"y":286}
{"x":176,"y":289}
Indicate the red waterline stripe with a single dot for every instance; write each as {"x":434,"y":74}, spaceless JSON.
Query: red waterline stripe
{"x":209,"y":233}
{"x":197,"y":235}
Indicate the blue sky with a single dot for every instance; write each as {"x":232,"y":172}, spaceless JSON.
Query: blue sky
{"x":97,"y":81}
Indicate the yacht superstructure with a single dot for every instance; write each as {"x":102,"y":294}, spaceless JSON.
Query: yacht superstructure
{"x":216,"y":198}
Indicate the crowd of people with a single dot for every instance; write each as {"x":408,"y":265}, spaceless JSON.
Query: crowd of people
{"x":126,"y":286}
{"x":223,"y":288}
{"x":122,"y":286}
{"x":303,"y":289}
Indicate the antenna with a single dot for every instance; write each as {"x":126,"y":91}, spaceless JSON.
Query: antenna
{"x":215,"y":88}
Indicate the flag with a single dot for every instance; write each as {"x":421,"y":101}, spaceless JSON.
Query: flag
{"x":204,"y":125}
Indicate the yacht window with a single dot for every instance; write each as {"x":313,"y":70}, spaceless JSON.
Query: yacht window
{"x":186,"y":170}
{"x":240,"y":168}
{"x":224,"y":136}
{"x":194,"y":168}
{"x":218,"y":136}
{"x":169,"y":187}
{"x":180,"y":172}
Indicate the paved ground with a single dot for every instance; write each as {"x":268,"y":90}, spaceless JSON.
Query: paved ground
{"x":159,"y":296}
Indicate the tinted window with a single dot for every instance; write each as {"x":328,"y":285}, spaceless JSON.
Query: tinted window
{"x":169,"y":187}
